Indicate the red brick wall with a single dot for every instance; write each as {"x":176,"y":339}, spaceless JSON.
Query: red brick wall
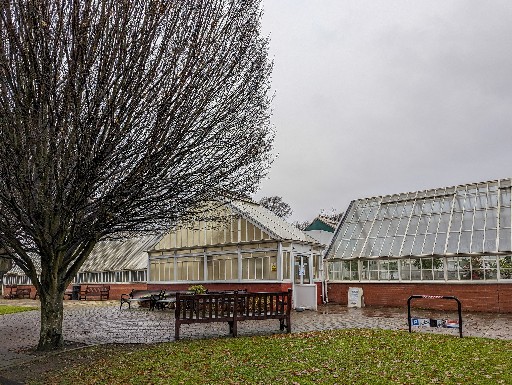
{"x":32,"y":290}
{"x":116,"y":289}
{"x":492,"y":297}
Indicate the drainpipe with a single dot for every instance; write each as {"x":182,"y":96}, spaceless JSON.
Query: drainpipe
{"x":325,"y":299}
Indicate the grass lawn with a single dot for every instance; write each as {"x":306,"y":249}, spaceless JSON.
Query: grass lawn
{"x":8,"y":309}
{"x":356,"y":356}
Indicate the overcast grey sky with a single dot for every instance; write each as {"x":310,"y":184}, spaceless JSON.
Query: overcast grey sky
{"x":380,"y":97}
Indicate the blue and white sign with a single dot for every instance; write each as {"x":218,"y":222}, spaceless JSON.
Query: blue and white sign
{"x":420,"y":321}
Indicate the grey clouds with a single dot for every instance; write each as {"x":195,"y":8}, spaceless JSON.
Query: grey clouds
{"x":381,"y":97}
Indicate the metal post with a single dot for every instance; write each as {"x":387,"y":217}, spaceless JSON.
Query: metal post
{"x":459,"y":308}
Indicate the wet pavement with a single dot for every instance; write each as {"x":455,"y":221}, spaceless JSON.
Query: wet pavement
{"x":95,"y":322}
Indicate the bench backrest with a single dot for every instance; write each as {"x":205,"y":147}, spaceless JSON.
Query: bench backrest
{"x":171,"y":294}
{"x":136,"y":294}
{"x":227,"y":306}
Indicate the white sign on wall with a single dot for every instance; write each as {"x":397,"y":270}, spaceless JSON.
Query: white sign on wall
{"x":355,"y":297}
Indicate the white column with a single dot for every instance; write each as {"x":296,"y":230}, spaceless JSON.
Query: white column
{"x":279,"y":261}
{"x":311,"y":271}
{"x":205,"y":266}
{"x":239,"y":256}
{"x":175,"y":264}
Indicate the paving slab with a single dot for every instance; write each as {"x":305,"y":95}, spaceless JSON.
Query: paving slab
{"x":100,"y":322}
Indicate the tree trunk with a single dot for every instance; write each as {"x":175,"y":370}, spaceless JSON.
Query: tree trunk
{"x":50,"y":337}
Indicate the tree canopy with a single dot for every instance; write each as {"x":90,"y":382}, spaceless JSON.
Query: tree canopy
{"x":119,"y":117}
{"x":277,"y":206}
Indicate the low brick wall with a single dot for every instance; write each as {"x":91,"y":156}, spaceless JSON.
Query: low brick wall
{"x":116,"y":289}
{"x":481,"y":297}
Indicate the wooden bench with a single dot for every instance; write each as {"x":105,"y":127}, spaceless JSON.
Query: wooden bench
{"x":101,"y":292}
{"x":141,"y":297}
{"x":232,"y":308}
{"x":23,"y":292}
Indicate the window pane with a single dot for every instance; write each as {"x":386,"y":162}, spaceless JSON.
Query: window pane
{"x":415,"y":270}
{"x":479,"y":219}
{"x":286,"y":265}
{"x":423,"y":224}
{"x":490,"y":240}
{"x":377,"y":245}
{"x":440,"y":244}
{"x":467,"y":221}
{"x":505,"y":267}
{"x":443,"y":224}
{"x":334,"y":270}
{"x":190,"y":269}
{"x":452,"y":269}
{"x":491,"y":219}
{"x":397,"y":244}
{"x":464,"y":268}
{"x":386,"y":246}
{"x":428,"y":247}
{"x":223,"y":267}
{"x":465,"y":241}
{"x":418,"y":244}
{"x":407,"y":246}
{"x":477,"y":242}
{"x":413,"y":225}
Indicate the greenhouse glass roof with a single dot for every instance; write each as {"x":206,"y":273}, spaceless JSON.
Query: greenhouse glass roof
{"x":472,"y":219}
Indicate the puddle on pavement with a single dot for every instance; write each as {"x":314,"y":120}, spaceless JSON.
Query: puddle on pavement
{"x":382,"y":312}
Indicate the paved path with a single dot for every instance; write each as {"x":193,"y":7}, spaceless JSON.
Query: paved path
{"x":95,"y":322}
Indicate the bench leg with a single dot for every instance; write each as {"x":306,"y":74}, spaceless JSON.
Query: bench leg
{"x":176,"y":331}
{"x":233,"y":329}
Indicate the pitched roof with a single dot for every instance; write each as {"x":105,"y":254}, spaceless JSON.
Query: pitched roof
{"x":265,"y":219}
{"x":471,"y":219}
{"x":111,"y":255}
{"x":116,"y":255}
{"x":322,"y":223}
{"x":16,"y":270}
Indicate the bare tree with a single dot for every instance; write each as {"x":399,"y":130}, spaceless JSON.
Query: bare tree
{"x":333,"y":215}
{"x":119,"y":117}
{"x":301,"y":225}
{"x":277,"y":206}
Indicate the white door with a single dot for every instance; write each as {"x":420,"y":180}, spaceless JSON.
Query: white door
{"x":301,"y":270}
{"x":304,"y":290}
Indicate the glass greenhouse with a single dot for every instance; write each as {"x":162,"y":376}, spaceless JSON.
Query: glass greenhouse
{"x":460,"y":233}
{"x":243,"y":242}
